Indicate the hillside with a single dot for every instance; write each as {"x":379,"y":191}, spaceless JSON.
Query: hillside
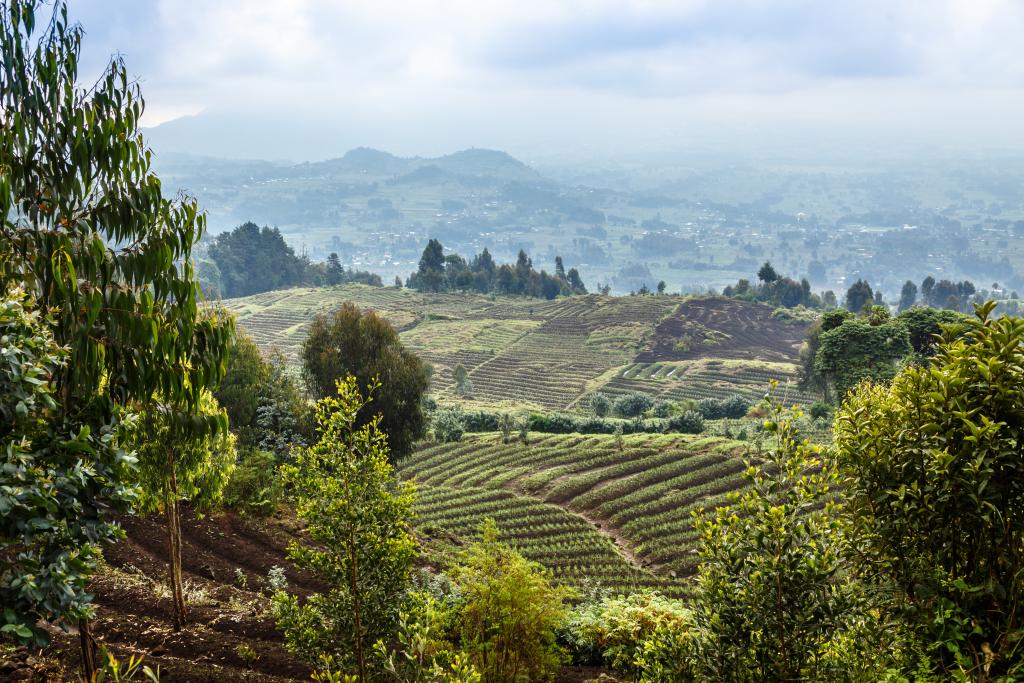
{"x":580,"y":505}
{"x":552,"y":354}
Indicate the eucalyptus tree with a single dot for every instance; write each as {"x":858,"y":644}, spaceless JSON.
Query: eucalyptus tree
{"x":90,"y":237}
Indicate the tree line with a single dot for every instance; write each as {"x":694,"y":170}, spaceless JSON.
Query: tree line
{"x":438,"y":272}
{"x":249,"y":260}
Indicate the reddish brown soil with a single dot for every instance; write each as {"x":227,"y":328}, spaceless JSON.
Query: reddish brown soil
{"x":226,"y":621}
{"x":229,"y":637}
{"x":724,"y":328}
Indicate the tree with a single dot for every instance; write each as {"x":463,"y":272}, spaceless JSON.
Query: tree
{"x":858,"y":296}
{"x":767,"y":274}
{"x":661,"y":286}
{"x":858,"y":350}
{"x":576,"y":282}
{"x":350,"y":342}
{"x":933,"y":471}
{"x":927,"y":285}
{"x":924,"y":325}
{"x":89,"y":236}
{"x":774,"y":599}
{"x":334,"y":271}
{"x":508,"y":613}
{"x":358,"y":516}
{"x":430,"y":275}
{"x":908,"y":296}
{"x":600,"y":404}
{"x":463,"y":385}
{"x":176,"y":464}
{"x":253,"y":259}
{"x":559,"y":268}
{"x":828,"y":300}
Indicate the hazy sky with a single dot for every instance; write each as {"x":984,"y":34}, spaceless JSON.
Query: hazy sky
{"x":312,"y":78}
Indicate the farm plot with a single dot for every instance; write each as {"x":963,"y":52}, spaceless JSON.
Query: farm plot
{"x":724,"y":328}
{"x":568,"y":545}
{"x":546,"y":354}
{"x":641,"y":495}
{"x":709,"y":378}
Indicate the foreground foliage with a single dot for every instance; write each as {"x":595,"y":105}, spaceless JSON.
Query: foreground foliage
{"x":358,"y":516}
{"x":933,"y":469}
{"x":89,"y":236}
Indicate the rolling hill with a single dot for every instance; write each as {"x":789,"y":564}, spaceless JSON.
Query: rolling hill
{"x":553,"y":354}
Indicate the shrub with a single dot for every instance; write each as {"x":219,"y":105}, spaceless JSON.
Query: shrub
{"x":820,"y":410}
{"x":664,"y":409}
{"x":448,"y":424}
{"x":254,"y":486}
{"x":507,"y":612}
{"x":690,"y":422}
{"x":633,"y":404}
{"x":710,"y":408}
{"x":735,"y":407}
{"x":613,"y":631}
{"x":552,"y":423}
{"x":600,"y":404}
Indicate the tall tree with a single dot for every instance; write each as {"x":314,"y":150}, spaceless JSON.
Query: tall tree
{"x":253,"y":259}
{"x":908,"y":296}
{"x":334,"y":272}
{"x":176,"y":465}
{"x":358,"y":516}
{"x":767,"y":274}
{"x":90,"y":237}
{"x":859,"y":295}
{"x":351,"y":342}
{"x":430,"y":276}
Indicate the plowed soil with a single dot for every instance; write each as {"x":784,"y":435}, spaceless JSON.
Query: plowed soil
{"x":229,"y":637}
{"x":717,"y":327}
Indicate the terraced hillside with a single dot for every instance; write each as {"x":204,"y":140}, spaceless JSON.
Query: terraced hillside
{"x":552,"y":354}
{"x":579,"y":504}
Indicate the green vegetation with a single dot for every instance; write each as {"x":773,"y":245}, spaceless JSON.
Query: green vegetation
{"x":365,"y":346}
{"x":358,"y":517}
{"x":90,"y":239}
{"x":932,"y":470}
{"x":249,"y":260}
{"x":440,"y":273}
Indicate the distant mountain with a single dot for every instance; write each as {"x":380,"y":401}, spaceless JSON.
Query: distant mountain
{"x":468,"y":163}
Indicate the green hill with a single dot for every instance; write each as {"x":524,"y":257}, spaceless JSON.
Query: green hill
{"x":553,"y":354}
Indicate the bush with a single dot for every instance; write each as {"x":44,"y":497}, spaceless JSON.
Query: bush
{"x":507,"y":612}
{"x":600,"y":404}
{"x":552,"y":423}
{"x":690,"y":422}
{"x":633,"y":404}
{"x":613,"y":631}
{"x":710,"y":408}
{"x":735,"y":407}
{"x":664,"y":409}
{"x":820,"y":410}
{"x":254,"y":486}
{"x":448,"y":425}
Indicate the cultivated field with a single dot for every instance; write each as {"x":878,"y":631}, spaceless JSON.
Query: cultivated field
{"x":553,"y":354}
{"x":579,"y":504}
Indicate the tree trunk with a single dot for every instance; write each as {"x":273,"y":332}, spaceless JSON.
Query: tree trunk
{"x":88,"y":645}
{"x":174,"y":546}
{"x":357,"y":606}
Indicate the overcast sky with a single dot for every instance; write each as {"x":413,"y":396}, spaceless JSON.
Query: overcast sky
{"x":311,"y":78}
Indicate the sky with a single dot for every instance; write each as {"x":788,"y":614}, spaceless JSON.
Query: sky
{"x":309,"y":79}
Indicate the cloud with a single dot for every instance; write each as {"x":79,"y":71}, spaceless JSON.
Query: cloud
{"x":520,"y":69}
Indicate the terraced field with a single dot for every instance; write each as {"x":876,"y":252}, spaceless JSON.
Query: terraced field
{"x":578,"y":503}
{"x":551,"y":354}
